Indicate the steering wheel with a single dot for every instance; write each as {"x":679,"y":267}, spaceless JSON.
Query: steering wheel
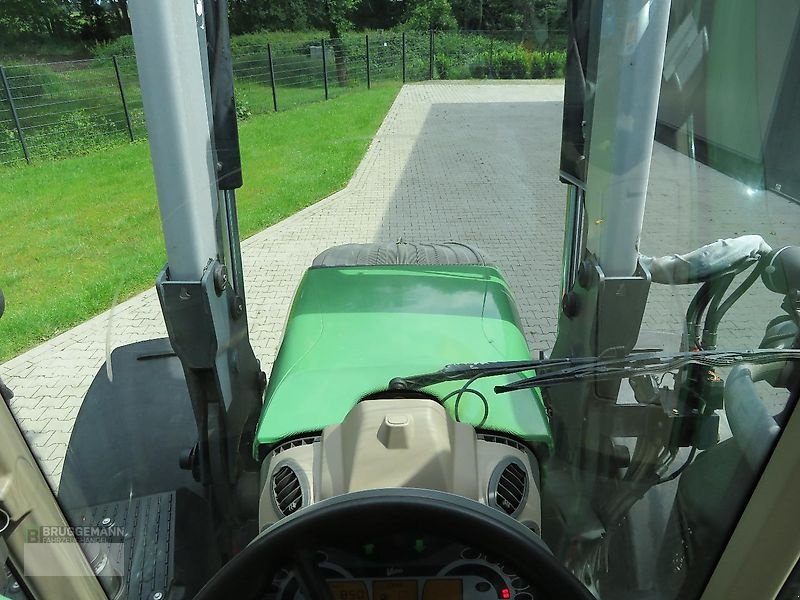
{"x":294,"y":539}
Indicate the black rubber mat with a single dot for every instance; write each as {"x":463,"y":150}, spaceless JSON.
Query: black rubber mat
{"x":142,"y":557}
{"x":130,"y":430}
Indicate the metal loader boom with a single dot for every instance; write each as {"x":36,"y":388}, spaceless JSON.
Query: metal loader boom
{"x":611,"y":99}
{"x":183,"y":56}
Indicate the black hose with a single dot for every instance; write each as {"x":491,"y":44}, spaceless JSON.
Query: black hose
{"x":711,"y":293}
{"x":679,"y":470}
{"x":459,"y":393}
{"x":694,"y":314}
{"x":716,"y":317}
{"x":722,"y":285}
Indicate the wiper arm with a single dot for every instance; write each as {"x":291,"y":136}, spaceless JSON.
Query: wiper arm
{"x":631,"y":366}
{"x":575,"y":369}
{"x":462,"y":371}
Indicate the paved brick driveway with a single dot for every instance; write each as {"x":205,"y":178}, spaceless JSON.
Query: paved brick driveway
{"x":472,"y":162}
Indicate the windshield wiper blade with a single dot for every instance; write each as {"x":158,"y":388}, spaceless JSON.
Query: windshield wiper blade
{"x":461,"y":371}
{"x":564,"y":370}
{"x":631,"y":366}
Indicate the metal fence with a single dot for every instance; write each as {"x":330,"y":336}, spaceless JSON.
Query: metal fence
{"x":65,"y":108}
{"x":58,"y":109}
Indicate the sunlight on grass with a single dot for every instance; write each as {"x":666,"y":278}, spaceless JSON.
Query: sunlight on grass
{"x":78,"y":231}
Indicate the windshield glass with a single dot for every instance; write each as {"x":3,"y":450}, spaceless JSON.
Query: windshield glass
{"x":537,"y":257}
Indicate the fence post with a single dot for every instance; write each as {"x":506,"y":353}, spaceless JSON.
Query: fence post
{"x":325,"y":69}
{"x":491,"y":57}
{"x":272,"y":77}
{"x":369,"y":79}
{"x":403,"y":47}
{"x":15,"y":116}
{"x":122,"y":95}
{"x":430,"y":56}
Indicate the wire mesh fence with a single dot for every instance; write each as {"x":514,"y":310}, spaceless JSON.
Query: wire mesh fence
{"x":52,"y":110}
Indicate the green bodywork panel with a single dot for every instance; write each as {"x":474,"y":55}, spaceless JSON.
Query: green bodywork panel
{"x":352,"y":329}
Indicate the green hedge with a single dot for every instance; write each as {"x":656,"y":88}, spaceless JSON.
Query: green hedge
{"x":518,"y":63}
{"x":122,"y":46}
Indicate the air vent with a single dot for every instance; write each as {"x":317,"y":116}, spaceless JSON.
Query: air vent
{"x":508,"y":487}
{"x":499,"y":439}
{"x":287,"y":490}
{"x":304,"y":441}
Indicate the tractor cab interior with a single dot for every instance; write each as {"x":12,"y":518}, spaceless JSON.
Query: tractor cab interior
{"x":404,"y":443}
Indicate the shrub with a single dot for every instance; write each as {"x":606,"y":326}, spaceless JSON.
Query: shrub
{"x":416,"y":68}
{"x":460,"y":45}
{"x":538,"y":66}
{"x":555,"y":64}
{"x":480,"y":70}
{"x":76,"y":132}
{"x":385,"y":56}
{"x":444,"y":66}
{"x":511,"y":64}
{"x":354,"y":51}
{"x":479,"y":67}
{"x":257,"y":42}
{"x":460,"y":71}
{"x":243,"y":111}
{"x":122,"y":46}
{"x":138,"y":122}
{"x":8,"y":136}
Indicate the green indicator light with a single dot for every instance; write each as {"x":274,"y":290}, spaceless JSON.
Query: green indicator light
{"x":369,"y":549}
{"x":419,"y":545}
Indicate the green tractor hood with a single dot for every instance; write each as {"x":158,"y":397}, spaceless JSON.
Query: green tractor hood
{"x":352,"y":329}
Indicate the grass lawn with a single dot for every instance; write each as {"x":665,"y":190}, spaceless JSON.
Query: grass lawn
{"x":80,"y":231}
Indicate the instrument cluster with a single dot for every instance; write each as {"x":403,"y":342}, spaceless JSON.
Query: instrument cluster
{"x":412,"y":568}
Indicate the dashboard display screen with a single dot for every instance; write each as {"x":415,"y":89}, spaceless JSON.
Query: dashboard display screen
{"x":348,"y":590}
{"x":395,"y":589}
{"x":442,"y":589}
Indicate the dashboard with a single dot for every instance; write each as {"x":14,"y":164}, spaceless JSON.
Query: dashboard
{"x":407,"y":454}
{"x":406,"y":567}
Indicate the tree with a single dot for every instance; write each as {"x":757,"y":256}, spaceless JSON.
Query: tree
{"x":550,"y":14}
{"x":468,"y":14}
{"x":45,"y":17}
{"x":503,"y":15}
{"x":378,"y":14}
{"x":495,"y":15}
{"x":431,"y":14}
{"x":334,"y":16}
{"x":337,"y":16}
{"x":247,"y":16}
{"x":95,"y":22}
{"x":119,"y":9}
